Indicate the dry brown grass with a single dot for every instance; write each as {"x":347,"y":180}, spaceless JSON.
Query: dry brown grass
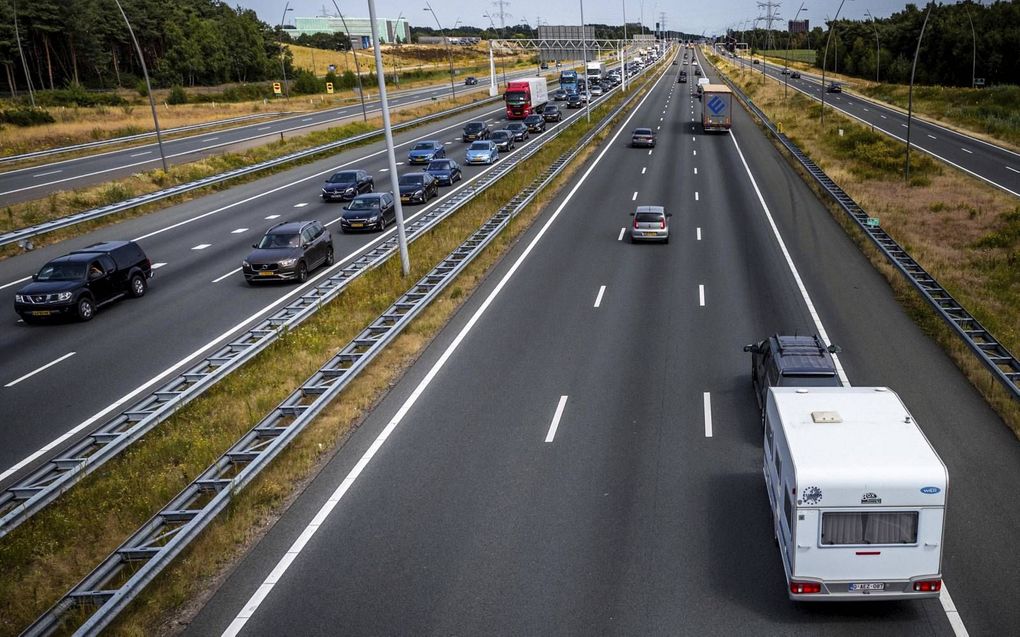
{"x":961,"y":230}
{"x":407,"y":57}
{"x":45,"y":556}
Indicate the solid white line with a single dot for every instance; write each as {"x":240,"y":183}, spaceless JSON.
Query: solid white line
{"x":148,"y":152}
{"x":699,"y":234}
{"x":300,"y":205}
{"x":156,"y":266}
{"x":228,"y":274}
{"x":643,"y":169}
{"x":1013,"y":169}
{"x":272,"y":217}
{"x":634,"y":198}
{"x":52,"y":172}
{"x":701,"y":295}
{"x":44,"y":367}
{"x":554,"y":425}
{"x":238,"y":231}
{"x":21,"y":280}
{"x":598,"y":298}
{"x":708,"y":414}
{"x":622,"y":232}
{"x":952,"y":614}
{"x":274,"y":576}
{"x":202,"y":246}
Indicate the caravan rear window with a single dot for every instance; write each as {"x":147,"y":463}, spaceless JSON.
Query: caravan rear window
{"x":865,"y":527}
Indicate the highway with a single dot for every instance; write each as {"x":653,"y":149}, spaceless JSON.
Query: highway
{"x":549,"y":466}
{"x":35,"y":182}
{"x":993,"y":164}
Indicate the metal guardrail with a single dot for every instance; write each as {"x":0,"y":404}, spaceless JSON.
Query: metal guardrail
{"x":130,"y":138}
{"x":111,"y":586}
{"x":22,"y":234}
{"x":993,"y":354}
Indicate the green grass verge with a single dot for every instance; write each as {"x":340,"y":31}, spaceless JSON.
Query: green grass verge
{"x":49,"y":553}
{"x":799,"y":55}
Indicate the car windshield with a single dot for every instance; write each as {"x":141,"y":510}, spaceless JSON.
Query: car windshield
{"x":366,"y":203}
{"x":648,"y":217}
{"x":63,"y":271}
{"x":411,"y":180}
{"x":343,"y":178}
{"x":498,"y":135}
{"x":474,"y":126}
{"x":280,"y":240}
{"x":642,"y":131}
{"x":479,"y":146}
{"x":551,"y":109}
{"x":423,"y":146}
{"x":439,"y":165}
{"x":515,"y":126}
{"x":516,"y":98}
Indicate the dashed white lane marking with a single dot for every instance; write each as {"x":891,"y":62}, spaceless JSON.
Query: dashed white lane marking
{"x":658,"y":128}
{"x":695,"y":152}
{"x":239,"y":231}
{"x":634,"y":198}
{"x":622,"y":232}
{"x":696,"y":198}
{"x":903,"y":125}
{"x":211,"y":139}
{"x":650,"y":151}
{"x":1013,"y":169}
{"x":140,"y":154}
{"x":156,"y":266}
{"x":264,"y":128}
{"x":643,"y":169}
{"x":43,"y":368}
{"x":882,"y":116}
{"x":701,"y":295}
{"x":202,"y":246}
{"x":554,"y":425}
{"x":695,"y":171}
{"x":301,"y":205}
{"x":708,"y":415}
{"x":383,"y":170}
{"x":693,"y":138}
{"x":307,"y":119}
{"x":598,"y":297}
{"x":699,"y":234}
{"x":969,"y":152}
{"x":272,"y":217}
{"x":52,"y":172}
{"x":867,"y":109}
{"x":932,"y":136}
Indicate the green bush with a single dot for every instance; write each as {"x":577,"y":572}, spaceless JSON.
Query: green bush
{"x":26,"y":117}
{"x":306,"y":83}
{"x":75,"y":95}
{"x":142,"y":88}
{"x":177,"y":95}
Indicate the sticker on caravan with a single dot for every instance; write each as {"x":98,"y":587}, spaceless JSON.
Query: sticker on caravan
{"x":870,"y":498}
{"x":930,"y":490}
{"x":812,"y":495}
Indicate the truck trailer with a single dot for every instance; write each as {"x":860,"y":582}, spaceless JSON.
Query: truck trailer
{"x":595,"y":70}
{"x":524,"y":97}
{"x":858,"y":495}
{"x":716,"y":107}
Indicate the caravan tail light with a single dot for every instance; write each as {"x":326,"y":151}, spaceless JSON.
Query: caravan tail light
{"x":800,"y":588}
{"x":928,"y":586}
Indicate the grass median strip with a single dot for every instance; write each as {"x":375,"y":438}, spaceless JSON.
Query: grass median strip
{"x":49,"y":553}
{"x":964,"y":232}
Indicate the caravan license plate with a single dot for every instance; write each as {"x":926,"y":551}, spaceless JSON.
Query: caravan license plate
{"x":871,"y":586}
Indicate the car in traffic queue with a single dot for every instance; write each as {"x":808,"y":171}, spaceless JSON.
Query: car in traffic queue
{"x":346,"y":185}
{"x":418,"y":187}
{"x":503,"y":139}
{"x":651,"y":223}
{"x":794,"y":75}
{"x":519,"y":130}
{"x":834,"y":87}
{"x":446,"y":171}
{"x":552,"y":113}
{"x":288,"y":252}
{"x":426,"y":151}
{"x":481,"y":152}
{"x":373,"y":211}
{"x":475,"y":131}
{"x":596,"y":90}
{"x":79,"y":283}
{"x":470,"y":80}
{"x":558,"y":95}
{"x":681,"y":77}
{"x":575,"y":101}
{"x":535,"y":122}
{"x":791,"y":361}
{"x":642,"y":137}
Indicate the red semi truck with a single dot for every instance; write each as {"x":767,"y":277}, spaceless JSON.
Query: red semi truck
{"x":524,"y":97}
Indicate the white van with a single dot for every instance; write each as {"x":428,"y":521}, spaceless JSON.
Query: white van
{"x":858,"y":495}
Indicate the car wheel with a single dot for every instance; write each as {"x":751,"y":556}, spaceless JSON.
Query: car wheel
{"x":86,"y":309}
{"x":138,"y":286}
{"x":302,"y":272}
{"x":329,"y":257}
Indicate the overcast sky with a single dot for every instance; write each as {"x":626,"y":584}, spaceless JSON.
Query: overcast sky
{"x":689,"y":16}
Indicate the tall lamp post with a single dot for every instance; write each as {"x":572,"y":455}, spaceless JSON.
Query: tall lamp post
{"x":357,"y":65}
{"x":449,"y":51}
{"x":623,"y":67}
{"x":396,"y":44}
{"x":789,"y":43}
{"x":24,"y":65}
{"x":878,"y":45}
{"x":283,"y":56}
{"x":825,"y":56}
{"x":910,"y":92}
{"x":148,"y":86}
{"x":587,"y":82}
{"x":502,"y":36}
{"x":973,"y":59}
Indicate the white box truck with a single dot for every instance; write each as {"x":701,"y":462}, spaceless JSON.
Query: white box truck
{"x":858,"y":495}
{"x":716,"y":107}
{"x":595,"y":70}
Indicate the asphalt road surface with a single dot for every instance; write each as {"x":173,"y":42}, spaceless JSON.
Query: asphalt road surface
{"x":549,"y":467}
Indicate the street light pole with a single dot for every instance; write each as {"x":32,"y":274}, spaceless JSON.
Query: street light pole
{"x":910,"y":92}
{"x":283,"y":56}
{"x":623,"y":66}
{"x":825,"y":57}
{"x":449,"y":51}
{"x":973,"y":59}
{"x":396,"y":44}
{"x":405,"y":261}
{"x":878,"y":45}
{"x":24,"y":64}
{"x":789,"y":43}
{"x":148,"y":87}
{"x":357,"y":65}
{"x":587,"y":81}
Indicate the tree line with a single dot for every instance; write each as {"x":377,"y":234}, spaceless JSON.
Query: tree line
{"x":86,"y":43}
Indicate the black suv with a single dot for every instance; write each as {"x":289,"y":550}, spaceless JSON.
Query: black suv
{"x":289,"y":251}
{"x":475,"y":131}
{"x":791,"y":361}
{"x":78,"y":283}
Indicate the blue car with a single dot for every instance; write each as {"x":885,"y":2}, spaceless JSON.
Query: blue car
{"x":446,"y":171}
{"x":484,"y":152}
{"x":424,"y":152}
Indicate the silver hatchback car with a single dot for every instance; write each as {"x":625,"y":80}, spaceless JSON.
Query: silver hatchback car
{"x":651,"y":223}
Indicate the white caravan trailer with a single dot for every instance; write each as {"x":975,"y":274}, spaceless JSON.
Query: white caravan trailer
{"x":858,"y":494}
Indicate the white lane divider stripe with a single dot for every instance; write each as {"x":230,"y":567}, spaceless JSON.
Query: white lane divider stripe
{"x":156,"y":266}
{"x":140,"y":154}
{"x":701,"y":295}
{"x":696,"y":197}
{"x":598,"y":297}
{"x":202,"y":246}
{"x":300,"y":205}
{"x":622,"y":232}
{"x":643,"y":169}
{"x":695,"y":171}
{"x":554,"y":425}
{"x":969,"y":152}
{"x":52,"y":172}
{"x":231,"y":273}
{"x":708,"y":414}
{"x":21,"y":280}
{"x":43,"y":368}
{"x":634,"y":198}
{"x":699,"y":234}
{"x":1013,"y":169}
{"x":239,"y":231}
{"x":271,"y":217}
